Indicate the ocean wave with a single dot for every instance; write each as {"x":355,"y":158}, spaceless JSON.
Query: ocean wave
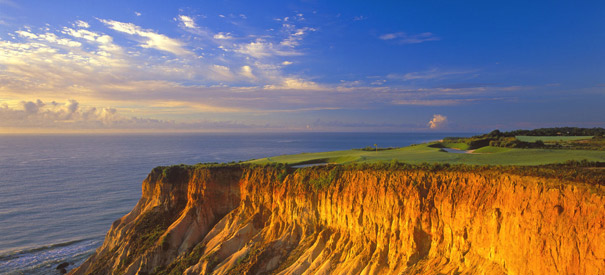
{"x":44,"y":259}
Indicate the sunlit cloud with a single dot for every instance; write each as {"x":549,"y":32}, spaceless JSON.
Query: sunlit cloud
{"x":247,"y":72}
{"x":294,"y":84}
{"x":49,"y":37}
{"x":70,"y":115}
{"x":221,"y":35}
{"x":295,"y":35}
{"x":82,"y":24}
{"x":262,"y":49}
{"x":148,"y":38}
{"x":187,"y":21}
{"x":39,"y":113}
{"x":438,"y":121}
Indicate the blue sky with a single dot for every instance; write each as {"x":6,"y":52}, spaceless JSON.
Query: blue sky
{"x":300,"y":65}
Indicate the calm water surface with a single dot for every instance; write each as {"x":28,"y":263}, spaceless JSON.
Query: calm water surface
{"x":60,"y":194}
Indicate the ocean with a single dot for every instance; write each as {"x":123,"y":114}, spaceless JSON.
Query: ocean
{"x":59,"y":194}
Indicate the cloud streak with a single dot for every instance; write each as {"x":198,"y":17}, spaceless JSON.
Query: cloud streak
{"x":405,"y":38}
{"x":428,"y":75}
{"x":148,"y":38}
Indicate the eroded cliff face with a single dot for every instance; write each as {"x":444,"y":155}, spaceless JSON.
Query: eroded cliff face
{"x":326,"y":220}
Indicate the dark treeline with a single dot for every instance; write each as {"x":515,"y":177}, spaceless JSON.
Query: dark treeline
{"x":509,"y":140}
{"x":558,"y":131}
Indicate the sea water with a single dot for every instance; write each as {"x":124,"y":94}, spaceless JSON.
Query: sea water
{"x":59,"y":194}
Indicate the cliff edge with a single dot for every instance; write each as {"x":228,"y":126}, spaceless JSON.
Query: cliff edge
{"x":357,"y":220}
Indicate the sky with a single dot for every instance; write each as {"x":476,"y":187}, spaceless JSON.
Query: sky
{"x":280,"y":66}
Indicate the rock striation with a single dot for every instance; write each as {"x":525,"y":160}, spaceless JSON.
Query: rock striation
{"x":330,"y":220}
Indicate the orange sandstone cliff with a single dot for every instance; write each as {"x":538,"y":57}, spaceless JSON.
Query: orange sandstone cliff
{"x":326,"y":220}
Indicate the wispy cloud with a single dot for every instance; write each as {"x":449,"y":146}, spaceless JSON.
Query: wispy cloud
{"x":431,"y":102}
{"x":187,"y":21}
{"x":82,"y":24}
{"x":9,"y":3}
{"x":405,"y":38}
{"x":262,"y":49}
{"x":148,"y":38}
{"x":295,"y":35}
{"x":290,"y":83}
{"x":222,"y":35}
{"x":430,"y":74}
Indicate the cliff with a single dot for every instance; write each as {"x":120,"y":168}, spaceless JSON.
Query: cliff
{"x":332,"y":220}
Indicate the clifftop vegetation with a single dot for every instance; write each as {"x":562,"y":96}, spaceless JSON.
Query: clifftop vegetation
{"x":545,"y":138}
{"x":579,"y":171}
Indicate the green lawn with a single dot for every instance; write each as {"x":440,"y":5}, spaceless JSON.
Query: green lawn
{"x":551,"y":138}
{"x":456,"y":145}
{"x":423,"y":153}
{"x":491,"y":150}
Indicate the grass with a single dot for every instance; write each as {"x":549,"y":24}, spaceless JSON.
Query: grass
{"x":491,"y":150}
{"x":422,"y":153}
{"x":551,"y":138}
{"x":456,"y":145}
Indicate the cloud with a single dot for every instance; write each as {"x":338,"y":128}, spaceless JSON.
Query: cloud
{"x":425,"y":75}
{"x":49,"y":37}
{"x":295,"y":35}
{"x":404,"y":38}
{"x":247,"y":72}
{"x":149,"y":38}
{"x":187,"y":21}
{"x":246,"y":79}
{"x":290,"y":83}
{"x":82,"y":24}
{"x":222,"y":73}
{"x":41,"y":114}
{"x":262,"y":49}
{"x":70,"y":115}
{"x":104,"y":41}
{"x":27,"y":34}
{"x":285,"y":44}
{"x":32,"y":107}
{"x":221,"y":35}
{"x":378,"y":82}
{"x":429,"y":102}
{"x":231,"y":84}
{"x":437,"y":122}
